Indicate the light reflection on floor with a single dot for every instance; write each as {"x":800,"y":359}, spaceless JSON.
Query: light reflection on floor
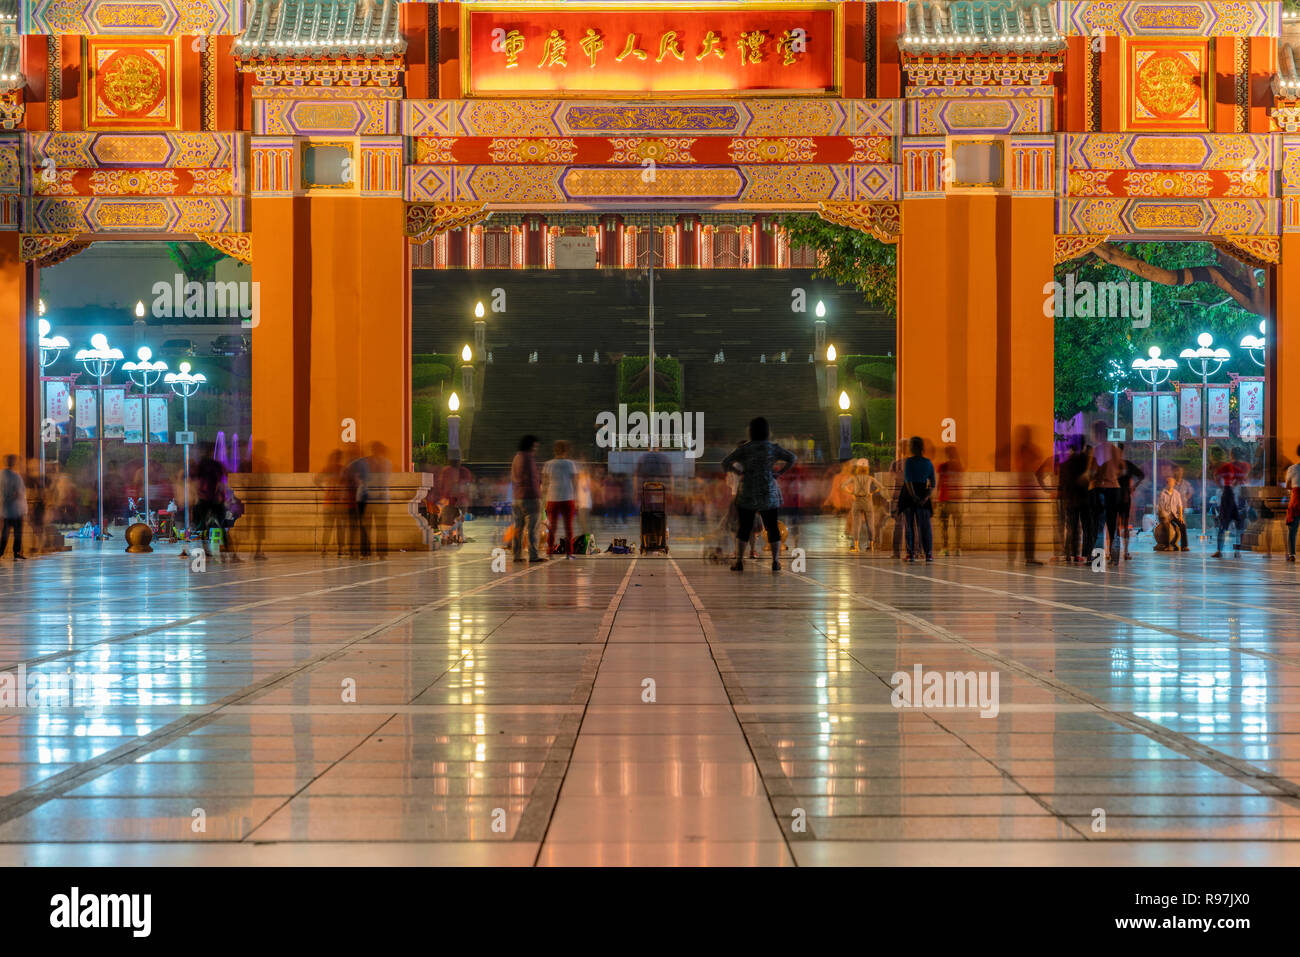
{"x":426,"y":709}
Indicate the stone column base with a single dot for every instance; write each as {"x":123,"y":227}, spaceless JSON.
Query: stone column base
{"x":286,"y":511}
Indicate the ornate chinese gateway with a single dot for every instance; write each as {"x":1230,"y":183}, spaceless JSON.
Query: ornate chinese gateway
{"x":337,"y":144}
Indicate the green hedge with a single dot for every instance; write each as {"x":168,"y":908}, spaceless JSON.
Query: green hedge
{"x":428,"y":376}
{"x":848,"y":364}
{"x":876,"y":375}
{"x":669,"y":391}
{"x":878,"y":455}
{"x":880,"y":419}
{"x":423,"y":427}
{"x":429,"y":455}
{"x":435,"y":358}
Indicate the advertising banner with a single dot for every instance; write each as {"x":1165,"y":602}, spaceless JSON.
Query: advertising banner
{"x":133,"y":434}
{"x":1250,"y":409}
{"x":158,"y":419}
{"x":114,"y":412}
{"x":1189,"y":413}
{"x":1142,"y":418}
{"x":1167,"y":415}
{"x":1217,"y":399}
{"x":87,"y":421}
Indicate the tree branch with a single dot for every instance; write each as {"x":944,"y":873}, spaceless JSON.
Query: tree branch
{"x":1248,"y":295}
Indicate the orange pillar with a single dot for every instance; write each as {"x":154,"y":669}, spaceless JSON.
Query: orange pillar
{"x":19,"y":369}
{"x":1283,"y":338}
{"x":973,"y":343}
{"x":331,"y":352}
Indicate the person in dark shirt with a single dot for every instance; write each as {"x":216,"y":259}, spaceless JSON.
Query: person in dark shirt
{"x":1072,"y":489}
{"x":1228,"y":476}
{"x":759,"y":493}
{"x":1129,"y":476}
{"x":527,"y":498}
{"x":915,"y":500}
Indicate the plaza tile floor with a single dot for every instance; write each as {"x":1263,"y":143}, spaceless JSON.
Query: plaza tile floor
{"x":426,"y":709}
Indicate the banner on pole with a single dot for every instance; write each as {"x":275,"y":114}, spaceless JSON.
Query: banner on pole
{"x":158,"y":419}
{"x":56,"y":405}
{"x":1217,"y":400}
{"x":133,"y":434}
{"x":1167,"y":415}
{"x":1189,"y":415}
{"x":1250,"y":410}
{"x":114,"y":412}
{"x":87,"y":420}
{"x":1141,"y":418}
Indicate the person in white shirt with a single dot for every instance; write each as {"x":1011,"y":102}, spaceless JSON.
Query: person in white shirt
{"x":1169,"y":507}
{"x":1292,"y":507}
{"x":559,"y":484}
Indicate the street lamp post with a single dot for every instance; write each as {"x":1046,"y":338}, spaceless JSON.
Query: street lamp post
{"x":1255,"y":346}
{"x":145,"y":374}
{"x":467,"y":375}
{"x":99,"y":361}
{"x":51,"y":347}
{"x":1117,"y":375}
{"x":832,"y":375}
{"x":1199,"y":361}
{"x":846,"y":428}
{"x":185,"y":385}
{"x":1153,"y":371}
{"x":819,"y":327}
{"x":480,"y":330}
{"x":453,"y":427}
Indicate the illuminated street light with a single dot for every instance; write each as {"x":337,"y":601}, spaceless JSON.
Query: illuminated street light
{"x":480,"y":329}
{"x":51,"y":348}
{"x":1255,"y":345}
{"x":846,"y":427}
{"x":1199,"y":361}
{"x":185,"y":385}
{"x":453,"y":427}
{"x":832,"y":376}
{"x":145,"y":374}
{"x":819,"y":327}
{"x":467,"y":375}
{"x":1154,"y":371}
{"x":99,"y":361}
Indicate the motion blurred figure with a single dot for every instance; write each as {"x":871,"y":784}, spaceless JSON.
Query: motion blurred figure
{"x":948,"y":499}
{"x":527,"y":492}
{"x":861,"y":488}
{"x":559,"y":480}
{"x":334,"y":496}
{"x":13,"y":506}
{"x":1029,"y":465}
{"x":1228,"y":477}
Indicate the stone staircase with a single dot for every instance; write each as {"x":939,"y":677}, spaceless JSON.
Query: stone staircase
{"x":550,"y":400}
{"x":729,"y":394}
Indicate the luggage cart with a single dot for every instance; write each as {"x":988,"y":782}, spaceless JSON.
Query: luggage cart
{"x":654,"y":518}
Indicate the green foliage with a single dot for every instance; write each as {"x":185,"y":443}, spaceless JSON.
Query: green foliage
{"x":877,"y":454}
{"x":429,"y":456}
{"x":1085,"y":347}
{"x":659,"y":406}
{"x":196,"y":261}
{"x":633,"y":386}
{"x":880,"y":419}
{"x":428,"y":376}
{"x":422,"y":424}
{"x":435,"y":358}
{"x":851,"y":257}
{"x":876,"y":375}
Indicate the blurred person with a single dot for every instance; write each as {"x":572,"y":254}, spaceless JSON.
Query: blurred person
{"x":1170,"y":508}
{"x":334,"y":498}
{"x":40,"y":492}
{"x":1072,"y":493}
{"x":378,"y":471}
{"x":759,"y":493}
{"x":13,"y":506}
{"x":861,"y":488}
{"x":356,"y":484}
{"x":896,"y":489}
{"x":838,"y":499}
{"x":1104,"y":486}
{"x":559,"y":485}
{"x":526,"y":486}
{"x":211,"y":509}
{"x":1292,"y":484}
{"x":1229,"y":476}
{"x":583,"y":502}
{"x":948,"y":498}
{"x":915,"y":500}
{"x":1030,"y":466}
{"x":1129,"y":476}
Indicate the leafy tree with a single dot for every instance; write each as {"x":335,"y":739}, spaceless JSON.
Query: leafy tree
{"x":849,"y":257}
{"x":1194,"y":289}
{"x":196,"y":261}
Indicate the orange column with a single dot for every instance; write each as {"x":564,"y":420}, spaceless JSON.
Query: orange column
{"x":973,"y":343}
{"x":331,"y":351}
{"x":1284,"y":340}
{"x":18,"y":367}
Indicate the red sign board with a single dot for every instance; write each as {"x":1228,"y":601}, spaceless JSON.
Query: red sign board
{"x":580,"y":49}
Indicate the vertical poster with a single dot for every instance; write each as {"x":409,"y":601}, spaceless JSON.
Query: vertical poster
{"x":1189,"y":414}
{"x":1167,"y":415}
{"x":133,"y":434}
{"x":1216,"y":400}
{"x":86,"y":418}
{"x":1141,"y":418}
{"x":56,"y":405}
{"x":158,"y":419}
{"x":1250,"y":411}
{"x":114,"y":412}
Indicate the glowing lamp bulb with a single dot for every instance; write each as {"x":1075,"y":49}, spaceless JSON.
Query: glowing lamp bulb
{"x":40,"y":307}
{"x":185,"y":368}
{"x":145,"y":353}
{"x":453,"y":403}
{"x":821,"y":309}
{"x":465,"y":354}
{"x":844,"y":401}
{"x":1154,"y":352}
{"x":1204,"y":340}
{"x":830,"y":353}
{"x":478,"y":310}
{"x":99,"y":341}
{"x":139,"y":309}
{"x":44,"y":327}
